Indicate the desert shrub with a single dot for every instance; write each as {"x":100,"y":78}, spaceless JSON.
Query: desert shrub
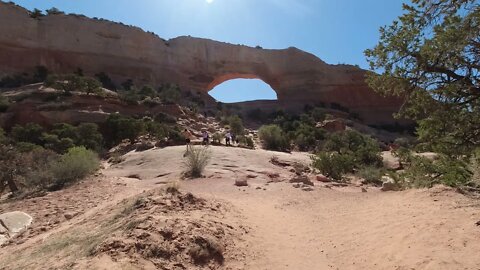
{"x":40,"y":74}
{"x":450,"y":171}
{"x":106,"y":81}
{"x":247,"y":141}
{"x":236,"y":124}
{"x":36,"y":14}
{"x":88,"y":135}
{"x":54,"y":11}
{"x":3,"y":138}
{"x":76,"y":164}
{"x":165,"y":118}
{"x":74,"y":82}
{"x":4,"y":103}
{"x":157,"y":130}
{"x":170,"y":93}
{"x":217,"y":138}
{"x":196,"y":159}
{"x":403,"y":142}
{"x":371,"y":175}
{"x":25,"y":172}
{"x":475,"y":167}
{"x":59,"y":145}
{"x":31,"y":133}
{"x":306,"y":137}
{"x":15,"y":80}
{"x":318,"y":114}
{"x":119,"y":127}
{"x":127,"y":85}
{"x":273,"y":138}
{"x":147,"y":91}
{"x":364,"y":149}
{"x":25,"y":147}
{"x":333,"y":164}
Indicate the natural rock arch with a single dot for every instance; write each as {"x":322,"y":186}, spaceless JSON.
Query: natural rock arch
{"x":125,"y":52}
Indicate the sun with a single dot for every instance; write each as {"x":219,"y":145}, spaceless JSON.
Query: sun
{"x":209,"y":1}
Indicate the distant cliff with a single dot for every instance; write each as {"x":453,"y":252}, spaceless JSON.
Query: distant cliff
{"x":64,"y":43}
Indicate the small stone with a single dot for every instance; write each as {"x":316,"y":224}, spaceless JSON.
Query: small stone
{"x":323,"y":178}
{"x":297,"y":185}
{"x":364,"y":190}
{"x":241,"y":183}
{"x":307,"y":188}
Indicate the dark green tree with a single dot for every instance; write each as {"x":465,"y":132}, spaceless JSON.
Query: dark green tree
{"x":430,"y":56}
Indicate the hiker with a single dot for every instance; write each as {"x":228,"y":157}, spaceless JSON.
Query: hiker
{"x":205,"y":137}
{"x":188,"y":136}
{"x":228,"y":138}
{"x":233,"y":137}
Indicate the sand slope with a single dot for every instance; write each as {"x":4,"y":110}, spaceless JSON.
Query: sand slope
{"x":287,"y":228}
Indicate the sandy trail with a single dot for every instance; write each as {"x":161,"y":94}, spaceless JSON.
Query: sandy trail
{"x":327,"y":228}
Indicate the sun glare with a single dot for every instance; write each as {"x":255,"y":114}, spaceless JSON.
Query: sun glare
{"x":209,"y":1}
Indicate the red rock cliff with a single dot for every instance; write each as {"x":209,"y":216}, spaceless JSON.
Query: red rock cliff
{"x":64,"y":43}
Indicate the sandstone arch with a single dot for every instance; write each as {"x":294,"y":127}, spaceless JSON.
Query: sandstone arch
{"x":64,"y":43}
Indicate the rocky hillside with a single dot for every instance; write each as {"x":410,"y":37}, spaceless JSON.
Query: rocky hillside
{"x":65,"y":43}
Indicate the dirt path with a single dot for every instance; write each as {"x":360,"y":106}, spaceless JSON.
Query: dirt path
{"x":288,"y":228}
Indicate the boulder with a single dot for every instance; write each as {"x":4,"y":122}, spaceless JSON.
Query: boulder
{"x":388,"y":184}
{"x":241,"y":183}
{"x":323,"y":178}
{"x":13,"y":223}
{"x":390,"y":161}
{"x":301,"y":179}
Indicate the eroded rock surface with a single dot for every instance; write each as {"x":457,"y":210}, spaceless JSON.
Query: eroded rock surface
{"x":12,"y":223}
{"x":64,"y":43}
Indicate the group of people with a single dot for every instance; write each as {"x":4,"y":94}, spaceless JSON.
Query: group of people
{"x":230,"y":138}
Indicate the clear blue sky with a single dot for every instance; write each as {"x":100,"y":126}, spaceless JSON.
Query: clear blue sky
{"x":337,"y":31}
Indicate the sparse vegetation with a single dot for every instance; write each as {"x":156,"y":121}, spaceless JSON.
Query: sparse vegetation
{"x":196,"y":159}
{"x":333,"y":164}
{"x":273,"y":138}
{"x":77,"y":163}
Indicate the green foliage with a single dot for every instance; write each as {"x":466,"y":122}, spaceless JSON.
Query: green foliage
{"x":30,"y":133}
{"x":15,"y":80}
{"x":54,"y":11}
{"x":157,"y":130}
{"x":74,"y":82}
{"x":217,"y":138}
{"x":56,"y":144}
{"x":36,"y":13}
{"x":89,"y":136}
{"x":273,"y":138}
{"x":333,"y":164}
{"x":147,"y":91}
{"x":247,"y":141}
{"x":423,"y":172}
{"x":364,"y":149}
{"x":106,"y":81}
{"x":76,"y":164}
{"x":196,"y":159}
{"x":3,"y":138}
{"x":430,"y":56}
{"x":306,"y":137}
{"x":120,"y":127}
{"x":4,"y":103}
{"x":236,"y":124}
{"x":318,"y":114}
{"x":372,"y":175}
{"x":170,"y":93}
{"x":40,"y":74}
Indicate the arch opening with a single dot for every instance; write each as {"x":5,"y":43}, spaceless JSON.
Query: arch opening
{"x":243,"y":90}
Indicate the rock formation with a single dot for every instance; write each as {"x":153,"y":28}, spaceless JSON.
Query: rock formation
{"x":64,"y":43}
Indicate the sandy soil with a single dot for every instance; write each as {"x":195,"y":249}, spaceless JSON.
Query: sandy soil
{"x":277,"y":226}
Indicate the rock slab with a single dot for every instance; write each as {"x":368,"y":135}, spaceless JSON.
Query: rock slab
{"x":12,"y":223}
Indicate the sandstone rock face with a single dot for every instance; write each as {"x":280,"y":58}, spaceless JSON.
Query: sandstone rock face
{"x":64,"y":43}
{"x":12,"y":223}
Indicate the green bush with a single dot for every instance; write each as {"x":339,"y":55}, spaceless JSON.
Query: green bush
{"x":3,"y":138}
{"x":30,"y":133}
{"x":56,"y":144}
{"x":364,"y":149}
{"x":447,"y":170}
{"x":4,"y":103}
{"x":333,"y":164}
{"x":74,"y":82}
{"x":106,"y":81}
{"x":236,"y":125}
{"x":120,"y":127}
{"x":76,"y":164}
{"x":247,"y":141}
{"x":273,"y":138}
{"x":371,"y":175}
{"x":170,"y":93}
{"x":36,"y":14}
{"x":196,"y":159}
